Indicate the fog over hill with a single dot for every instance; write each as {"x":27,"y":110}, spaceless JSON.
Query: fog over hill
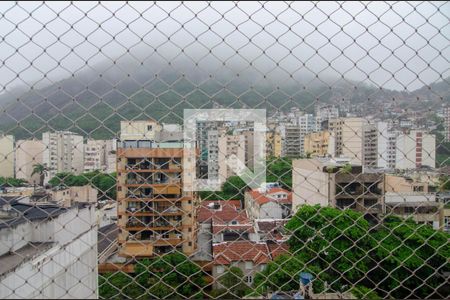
{"x":93,"y":64}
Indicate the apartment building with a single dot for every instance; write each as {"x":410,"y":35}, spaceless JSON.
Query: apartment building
{"x":324,"y":113}
{"x":231,"y":145}
{"x":47,"y":251}
{"x":414,"y":149}
{"x":273,"y":143}
{"x":155,"y":214}
{"x":446,"y":113}
{"x":411,"y":197}
{"x":337,"y":183}
{"x":292,"y":141}
{"x":63,"y":152}
{"x":28,"y":154}
{"x":348,"y":138}
{"x":7,"y":156}
{"x":100,"y":155}
{"x":386,"y":145}
{"x":316,"y":143}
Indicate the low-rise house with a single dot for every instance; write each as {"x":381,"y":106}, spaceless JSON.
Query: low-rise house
{"x":268,"y":203}
{"x":67,"y":196}
{"x":226,"y":220}
{"x":250,"y":257}
{"x":413,"y":198}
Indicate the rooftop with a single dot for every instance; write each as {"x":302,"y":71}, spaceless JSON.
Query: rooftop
{"x":262,"y":197}
{"x":9,"y":262}
{"x":26,"y":212}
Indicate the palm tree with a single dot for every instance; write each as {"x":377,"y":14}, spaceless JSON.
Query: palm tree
{"x":42,"y":171}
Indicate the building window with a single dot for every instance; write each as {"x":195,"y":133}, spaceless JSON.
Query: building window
{"x":248,"y":279}
{"x":149,"y":127}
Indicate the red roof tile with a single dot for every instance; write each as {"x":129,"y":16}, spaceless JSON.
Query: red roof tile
{"x":229,"y":210}
{"x":225,"y":253}
{"x":261,"y":198}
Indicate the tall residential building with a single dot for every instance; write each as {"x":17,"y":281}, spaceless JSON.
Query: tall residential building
{"x":47,"y":251}
{"x":230,"y":145}
{"x":273,"y":143}
{"x":28,"y":154}
{"x":415,"y":149}
{"x":446,"y":112}
{"x":316,"y":143}
{"x":213,"y":154}
{"x":370,"y":145}
{"x":7,"y":156}
{"x":307,"y":124}
{"x":386,"y":145}
{"x":292,"y":141}
{"x":329,"y":182}
{"x":63,"y":152}
{"x":100,"y":155}
{"x":155,"y":214}
{"x":348,"y":135}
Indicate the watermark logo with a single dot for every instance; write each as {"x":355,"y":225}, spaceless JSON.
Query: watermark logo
{"x":207,"y":145}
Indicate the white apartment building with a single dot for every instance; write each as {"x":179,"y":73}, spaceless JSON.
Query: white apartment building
{"x":28,"y":154}
{"x":415,"y":149}
{"x":50,"y":252}
{"x":63,"y":152}
{"x":446,"y":111}
{"x":100,"y":155}
{"x":325,"y":113}
{"x":6,"y":156}
{"x":386,"y":145}
{"x":213,"y":154}
{"x":307,"y":124}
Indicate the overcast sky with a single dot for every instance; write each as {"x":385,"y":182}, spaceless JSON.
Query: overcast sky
{"x":393,"y":45}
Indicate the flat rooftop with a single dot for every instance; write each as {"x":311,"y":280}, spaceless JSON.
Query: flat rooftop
{"x":9,"y":262}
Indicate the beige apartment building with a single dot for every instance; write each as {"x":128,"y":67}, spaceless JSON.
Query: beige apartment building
{"x":100,"y":155}
{"x":348,"y":135}
{"x":273,"y":143}
{"x":7,"y":156}
{"x":155,"y":214}
{"x":68,"y":196}
{"x":413,"y":198}
{"x":63,"y":152}
{"x":230,"y":145}
{"x":28,"y":154}
{"x":329,"y":182}
{"x":316,"y":143}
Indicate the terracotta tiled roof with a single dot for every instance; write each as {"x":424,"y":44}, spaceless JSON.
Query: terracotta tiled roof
{"x":225,"y":253}
{"x":230,"y":210}
{"x":261,"y":198}
{"x":237,"y":228}
{"x":276,"y":249}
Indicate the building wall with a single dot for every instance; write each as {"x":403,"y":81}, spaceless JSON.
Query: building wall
{"x":316,"y":143}
{"x":270,"y":210}
{"x":415,"y":149}
{"x":7,"y":156}
{"x":67,"y":197}
{"x":67,"y":270}
{"x":139,"y":130}
{"x":230,"y":145}
{"x":63,"y":152}
{"x":310,"y":185}
{"x":28,"y":153}
{"x":353,"y":139}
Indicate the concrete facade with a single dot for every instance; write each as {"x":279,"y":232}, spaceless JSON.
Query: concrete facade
{"x":7,"y":157}
{"x":28,"y":154}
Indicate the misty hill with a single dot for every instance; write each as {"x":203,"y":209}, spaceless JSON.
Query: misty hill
{"x":94,"y":101}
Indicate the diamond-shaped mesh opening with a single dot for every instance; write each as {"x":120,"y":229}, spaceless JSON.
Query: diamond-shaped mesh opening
{"x":131,"y":165}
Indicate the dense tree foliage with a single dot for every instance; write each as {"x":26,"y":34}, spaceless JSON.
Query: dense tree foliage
{"x":12,"y":182}
{"x":233,"y":188}
{"x":232,"y":285}
{"x":398,"y":259}
{"x":280,"y":169}
{"x":104,"y":183}
{"x":168,"y":276}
